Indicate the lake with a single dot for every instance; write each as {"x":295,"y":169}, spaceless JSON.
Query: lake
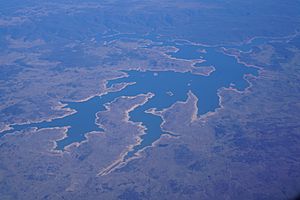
{"x":168,"y":88}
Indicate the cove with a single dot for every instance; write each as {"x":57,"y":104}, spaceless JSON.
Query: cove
{"x":168,"y":88}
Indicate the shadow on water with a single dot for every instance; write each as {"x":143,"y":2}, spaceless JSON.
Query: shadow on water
{"x":296,"y":197}
{"x":168,"y":88}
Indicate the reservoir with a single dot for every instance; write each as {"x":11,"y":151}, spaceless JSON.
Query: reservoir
{"x":228,"y":72}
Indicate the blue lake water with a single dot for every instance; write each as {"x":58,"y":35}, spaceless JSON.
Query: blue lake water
{"x":228,"y":72}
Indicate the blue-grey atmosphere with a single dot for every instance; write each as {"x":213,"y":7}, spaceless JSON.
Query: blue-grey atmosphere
{"x":159,"y":100}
